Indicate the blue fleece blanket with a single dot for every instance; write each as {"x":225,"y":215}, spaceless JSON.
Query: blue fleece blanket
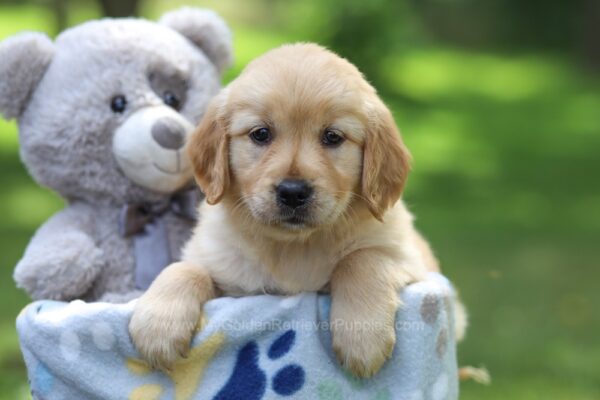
{"x":253,"y":348}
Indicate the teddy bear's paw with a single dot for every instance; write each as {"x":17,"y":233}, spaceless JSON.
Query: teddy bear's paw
{"x":162,"y":333}
{"x":362,"y":348}
{"x":46,"y":270}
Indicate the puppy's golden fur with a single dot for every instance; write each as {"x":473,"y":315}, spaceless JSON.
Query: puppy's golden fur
{"x":354,"y":237}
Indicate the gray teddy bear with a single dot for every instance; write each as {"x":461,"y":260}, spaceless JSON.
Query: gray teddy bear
{"x":103,"y":114}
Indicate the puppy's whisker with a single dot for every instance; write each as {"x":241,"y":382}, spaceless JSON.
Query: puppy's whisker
{"x":240,"y":202}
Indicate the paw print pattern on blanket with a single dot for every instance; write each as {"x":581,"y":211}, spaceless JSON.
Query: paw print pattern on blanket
{"x":186,"y":375}
{"x":249,"y":382}
{"x":64,"y":344}
{"x":329,"y":389}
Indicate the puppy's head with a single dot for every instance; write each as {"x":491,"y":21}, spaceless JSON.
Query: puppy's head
{"x":298,"y":140}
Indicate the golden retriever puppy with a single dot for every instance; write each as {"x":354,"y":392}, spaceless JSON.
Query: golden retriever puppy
{"x":303,"y":167}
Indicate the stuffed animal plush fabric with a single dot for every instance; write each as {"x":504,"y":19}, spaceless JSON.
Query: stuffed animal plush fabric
{"x":103,"y":115}
{"x":82,"y":351}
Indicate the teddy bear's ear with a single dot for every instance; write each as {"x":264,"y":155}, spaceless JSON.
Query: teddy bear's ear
{"x":205,"y":29}
{"x":24,"y":59}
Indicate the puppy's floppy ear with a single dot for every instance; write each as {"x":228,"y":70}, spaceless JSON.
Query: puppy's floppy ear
{"x":206,"y":30}
{"x":386,"y":161}
{"x":24,"y":59}
{"x":208,"y":150}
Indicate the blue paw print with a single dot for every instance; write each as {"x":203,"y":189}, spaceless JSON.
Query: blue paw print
{"x":249,"y":382}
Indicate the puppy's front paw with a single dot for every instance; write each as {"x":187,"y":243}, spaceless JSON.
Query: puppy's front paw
{"x":162,"y":331}
{"x":362,"y":347}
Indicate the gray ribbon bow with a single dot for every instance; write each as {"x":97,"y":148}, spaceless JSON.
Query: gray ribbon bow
{"x":145,"y":222}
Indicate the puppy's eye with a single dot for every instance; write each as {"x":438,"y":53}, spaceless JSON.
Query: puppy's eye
{"x":331,"y":138}
{"x":118,"y":104}
{"x":172,"y":100}
{"x":261,"y":136}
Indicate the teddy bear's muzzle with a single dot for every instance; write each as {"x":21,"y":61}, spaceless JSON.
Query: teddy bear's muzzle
{"x":169,"y":133}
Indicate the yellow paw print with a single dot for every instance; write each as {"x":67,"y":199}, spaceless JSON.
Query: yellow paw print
{"x":186,"y":374}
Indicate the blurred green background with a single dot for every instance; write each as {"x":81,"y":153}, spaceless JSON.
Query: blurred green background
{"x":499,"y":102}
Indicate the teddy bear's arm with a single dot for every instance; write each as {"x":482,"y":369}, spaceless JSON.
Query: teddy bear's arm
{"x":62,"y":260}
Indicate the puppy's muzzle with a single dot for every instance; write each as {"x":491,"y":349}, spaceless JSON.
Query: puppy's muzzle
{"x":293,"y":193}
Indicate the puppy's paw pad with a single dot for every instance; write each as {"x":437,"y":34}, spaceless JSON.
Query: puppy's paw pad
{"x":161,"y":341}
{"x":361,"y":353}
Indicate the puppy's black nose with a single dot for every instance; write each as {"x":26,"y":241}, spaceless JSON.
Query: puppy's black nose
{"x":293,"y":192}
{"x":169,"y":133}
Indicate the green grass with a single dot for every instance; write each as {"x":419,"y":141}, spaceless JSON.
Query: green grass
{"x":504,"y":185}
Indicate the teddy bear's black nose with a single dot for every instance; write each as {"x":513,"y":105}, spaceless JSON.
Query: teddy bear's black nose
{"x":169,"y":133}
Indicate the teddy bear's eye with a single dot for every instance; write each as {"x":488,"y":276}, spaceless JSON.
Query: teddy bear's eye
{"x":118,"y":104}
{"x":171,"y":100}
